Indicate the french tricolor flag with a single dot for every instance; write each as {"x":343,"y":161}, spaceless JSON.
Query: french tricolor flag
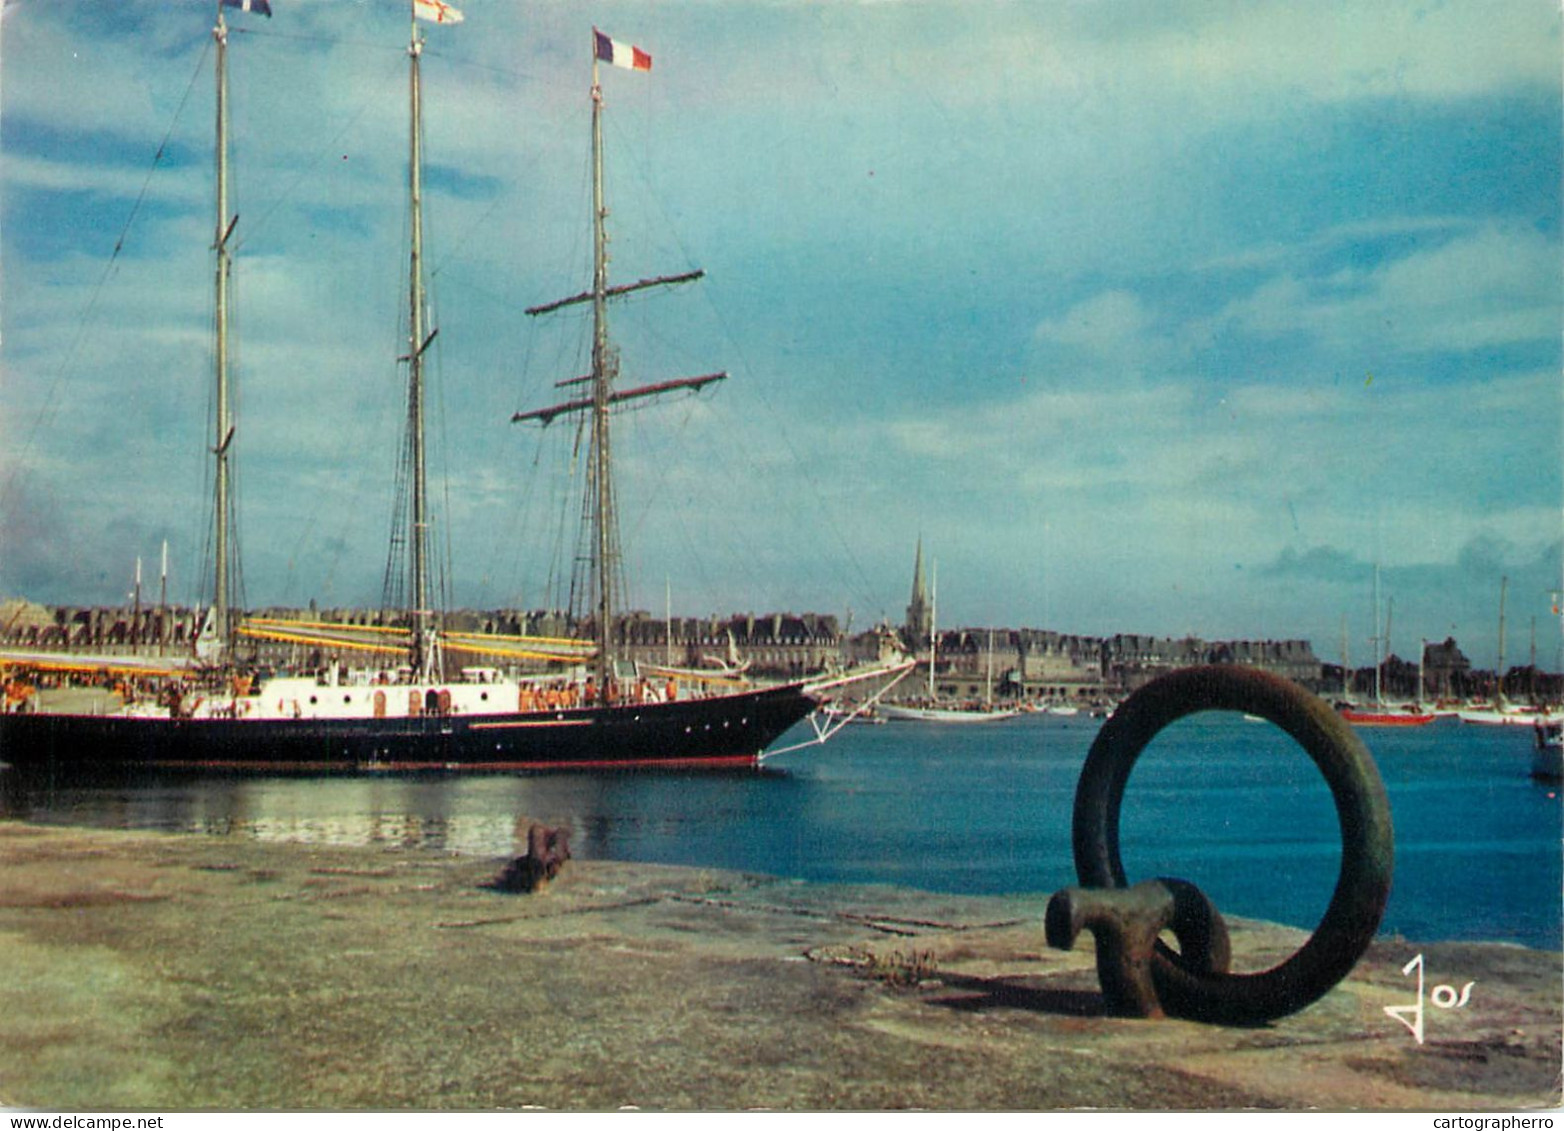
{"x":621,"y":54}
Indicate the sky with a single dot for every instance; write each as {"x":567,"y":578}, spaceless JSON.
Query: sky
{"x":1148,"y":317}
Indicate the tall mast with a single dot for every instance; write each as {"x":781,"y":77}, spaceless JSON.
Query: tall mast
{"x":1346,"y":692}
{"x":223,"y":427}
{"x":603,"y":365}
{"x":162,"y":602}
{"x":135,"y":616}
{"x":933,"y":631}
{"x":425,"y":644}
{"x":1504,"y":588}
{"x":1386,"y":651}
{"x":1378,"y":643}
{"x":598,"y":508}
{"x":988,"y":679}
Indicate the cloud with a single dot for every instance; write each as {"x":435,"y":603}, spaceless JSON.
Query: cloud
{"x":1104,"y":324}
{"x":1496,"y":286}
{"x":1151,"y":317}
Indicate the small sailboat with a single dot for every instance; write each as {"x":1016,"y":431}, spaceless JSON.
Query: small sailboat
{"x":588,"y":709}
{"x":932,"y":710}
{"x":1502,"y":712}
{"x":1379,"y":713}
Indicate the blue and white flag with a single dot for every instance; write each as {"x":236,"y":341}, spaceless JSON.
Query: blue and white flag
{"x":261,"y":6}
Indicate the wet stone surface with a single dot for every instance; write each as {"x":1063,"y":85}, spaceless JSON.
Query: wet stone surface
{"x":169,"y":973}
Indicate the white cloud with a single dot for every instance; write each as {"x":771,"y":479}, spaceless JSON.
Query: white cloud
{"x":1103,"y":323}
{"x":1498,"y":285}
{"x":989,"y":289}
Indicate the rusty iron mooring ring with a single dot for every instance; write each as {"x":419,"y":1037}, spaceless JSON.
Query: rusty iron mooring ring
{"x":1362,"y":887}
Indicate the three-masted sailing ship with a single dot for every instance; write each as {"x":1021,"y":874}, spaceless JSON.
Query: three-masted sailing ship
{"x":593,"y":710}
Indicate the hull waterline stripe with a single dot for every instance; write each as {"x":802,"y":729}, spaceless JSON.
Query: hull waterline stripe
{"x":274,"y":768}
{"x":531,"y":723}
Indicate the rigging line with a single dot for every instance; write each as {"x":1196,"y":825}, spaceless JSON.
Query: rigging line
{"x":553,"y":527}
{"x":472,"y":65}
{"x":823,"y":511}
{"x":51,"y":399}
{"x":741,"y":548}
{"x":290,"y":189}
{"x":676,"y":436}
{"x":506,"y":546}
{"x":641,"y":167}
{"x":331,"y":41}
{"x":448,"y":581}
{"x":504,"y":560}
{"x":866,"y":586}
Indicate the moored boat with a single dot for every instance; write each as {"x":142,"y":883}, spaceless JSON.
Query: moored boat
{"x":932,"y":709}
{"x":1503,"y":715}
{"x":903,"y":712}
{"x":588,"y":708}
{"x":1377,"y":712}
{"x":1387,"y":716}
{"x":1547,"y":758}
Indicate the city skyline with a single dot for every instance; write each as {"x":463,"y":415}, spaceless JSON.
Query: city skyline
{"x":1165,"y":318}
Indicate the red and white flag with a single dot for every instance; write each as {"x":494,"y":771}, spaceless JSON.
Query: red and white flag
{"x":621,"y":54}
{"x":436,"y":11}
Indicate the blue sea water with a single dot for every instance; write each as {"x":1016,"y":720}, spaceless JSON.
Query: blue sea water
{"x":1230,"y":804}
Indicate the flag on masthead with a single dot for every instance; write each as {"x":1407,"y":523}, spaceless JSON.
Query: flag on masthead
{"x":260,"y":6}
{"x":437,"y":11}
{"x":621,"y":54}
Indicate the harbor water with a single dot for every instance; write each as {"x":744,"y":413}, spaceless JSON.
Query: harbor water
{"x":1226,"y":802}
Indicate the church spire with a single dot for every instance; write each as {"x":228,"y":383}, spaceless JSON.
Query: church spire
{"x":919,"y":615}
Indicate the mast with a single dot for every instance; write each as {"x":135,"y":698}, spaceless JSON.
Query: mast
{"x":223,"y":426}
{"x":1531,"y":666}
{"x":162,"y":602}
{"x":425,"y":644}
{"x":1390,"y":616}
{"x":135,"y":616}
{"x":988,"y":679}
{"x":599,"y":509}
{"x":604,"y":364}
{"x":1345,"y":670}
{"x":933,"y":630}
{"x":1504,"y":587}
{"x":1378,"y":643}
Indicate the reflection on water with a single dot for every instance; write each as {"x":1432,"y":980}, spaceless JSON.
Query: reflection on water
{"x":1234,"y":807}
{"x":607,"y":815}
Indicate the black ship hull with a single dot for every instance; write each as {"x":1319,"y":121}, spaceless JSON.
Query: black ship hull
{"x":728,"y":730}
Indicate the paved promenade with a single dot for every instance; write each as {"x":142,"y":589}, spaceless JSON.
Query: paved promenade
{"x":146,"y":972}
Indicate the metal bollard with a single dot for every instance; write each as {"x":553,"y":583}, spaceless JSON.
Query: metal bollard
{"x":1192,"y":984}
{"x":1125,"y":923}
